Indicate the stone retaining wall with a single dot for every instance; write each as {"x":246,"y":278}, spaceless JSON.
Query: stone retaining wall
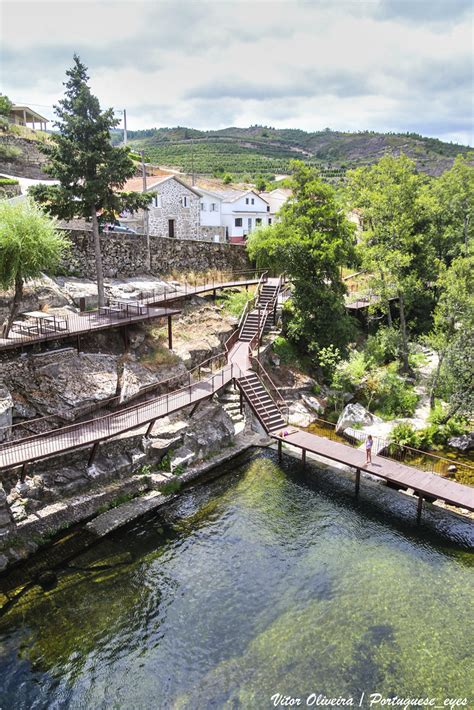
{"x":124,"y":255}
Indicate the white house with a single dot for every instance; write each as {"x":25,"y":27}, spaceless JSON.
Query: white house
{"x":276,"y":199}
{"x":240,"y":212}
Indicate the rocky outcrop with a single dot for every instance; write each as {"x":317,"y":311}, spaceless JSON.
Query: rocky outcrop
{"x":355,"y":416}
{"x":462,"y":443}
{"x":210,"y":430}
{"x":37,"y":294}
{"x":6,"y":409}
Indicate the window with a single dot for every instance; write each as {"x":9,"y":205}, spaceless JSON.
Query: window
{"x":268,"y":208}
{"x":269,"y":220}
{"x":203,"y":206}
{"x":213,"y":207}
{"x":157,"y":201}
{"x":246,"y":200}
{"x":185,"y":201}
{"x":238,"y":221}
{"x":253,"y":201}
{"x":258,"y":221}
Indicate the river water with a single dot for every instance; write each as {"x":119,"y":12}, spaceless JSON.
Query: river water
{"x":267,"y":580}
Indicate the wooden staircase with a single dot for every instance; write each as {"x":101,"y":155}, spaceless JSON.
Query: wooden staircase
{"x":263,"y":313}
{"x":261,"y":402}
{"x":252,"y":387}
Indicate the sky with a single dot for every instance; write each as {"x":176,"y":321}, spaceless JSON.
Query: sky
{"x":383,"y":65}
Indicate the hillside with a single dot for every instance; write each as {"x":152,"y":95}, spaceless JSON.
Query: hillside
{"x":268,"y":151}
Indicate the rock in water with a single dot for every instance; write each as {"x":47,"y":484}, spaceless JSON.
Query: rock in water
{"x":462,"y":443}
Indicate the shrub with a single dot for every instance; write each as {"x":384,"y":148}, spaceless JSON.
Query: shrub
{"x":170,"y":487}
{"x":227,"y":179}
{"x":382,"y":347}
{"x":8,"y":181}
{"x":285,"y":350}
{"x":9,"y":152}
{"x":403,"y":434}
{"x":329,"y":358}
{"x":395,"y":398}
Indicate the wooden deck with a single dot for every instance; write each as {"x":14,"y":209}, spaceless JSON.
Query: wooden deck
{"x":83,"y":323}
{"x":424,"y":484}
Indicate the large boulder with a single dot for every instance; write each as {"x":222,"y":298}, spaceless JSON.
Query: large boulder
{"x":355,"y":416}
{"x":462,"y":443}
{"x":6,"y":407}
{"x":210,"y":430}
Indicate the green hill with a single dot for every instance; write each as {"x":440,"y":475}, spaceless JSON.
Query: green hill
{"x":268,"y":151}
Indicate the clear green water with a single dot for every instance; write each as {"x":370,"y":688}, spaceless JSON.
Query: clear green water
{"x":264,"y":581}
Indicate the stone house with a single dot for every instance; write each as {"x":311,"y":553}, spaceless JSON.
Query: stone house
{"x":174,"y":208}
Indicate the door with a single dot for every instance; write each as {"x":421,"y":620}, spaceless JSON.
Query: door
{"x":171,"y":228}
{"x":249,"y":223}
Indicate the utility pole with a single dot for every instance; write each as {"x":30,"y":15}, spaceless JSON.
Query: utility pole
{"x":146,"y":217}
{"x":125,"y":126}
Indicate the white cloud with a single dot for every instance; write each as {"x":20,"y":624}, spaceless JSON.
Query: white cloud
{"x":380,"y":64}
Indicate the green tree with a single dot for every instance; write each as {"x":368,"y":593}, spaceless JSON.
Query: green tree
{"x":395,"y":246}
{"x":227,"y":179}
{"x":5,"y":105}
{"x":260,"y":183}
{"x":90,"y":171}
{"x":311,"y":243}
{"x":453,"y":312}
{"x":29,"y":245}
{"x":453,"y":193}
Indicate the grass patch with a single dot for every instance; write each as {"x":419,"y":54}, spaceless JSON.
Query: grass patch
{"x":170,"y":487}
{"x":159,"y":355}
{"x":234,"y":302}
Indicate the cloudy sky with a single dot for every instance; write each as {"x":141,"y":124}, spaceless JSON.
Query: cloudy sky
{"x":389,"y":65}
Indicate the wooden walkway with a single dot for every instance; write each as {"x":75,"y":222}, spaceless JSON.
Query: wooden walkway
{"x":75,"y":436}
{"x":263,"y":397}
{"x":424,"y":484}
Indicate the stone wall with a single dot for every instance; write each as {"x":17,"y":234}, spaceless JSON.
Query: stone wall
{"x":125,"y":255}
{"x":208,"y":233}
{"x":29,"y":163}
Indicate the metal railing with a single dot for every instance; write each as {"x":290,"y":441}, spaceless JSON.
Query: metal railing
{"x":83,"y":433}
{"x":201,"y":285}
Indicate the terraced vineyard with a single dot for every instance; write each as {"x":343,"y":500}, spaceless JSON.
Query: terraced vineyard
{"x":245,"y":153}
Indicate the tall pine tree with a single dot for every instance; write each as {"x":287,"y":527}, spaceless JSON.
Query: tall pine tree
{"x":90,"y":171}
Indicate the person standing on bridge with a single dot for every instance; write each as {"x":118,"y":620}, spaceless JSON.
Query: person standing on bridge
{"x":368,"y":449}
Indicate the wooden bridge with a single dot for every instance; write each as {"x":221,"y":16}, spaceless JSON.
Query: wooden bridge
{"x":243,"y":368}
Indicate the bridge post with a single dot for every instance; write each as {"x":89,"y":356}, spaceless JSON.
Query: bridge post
{"x":241,"y":403}
{"x":93,"y":454}
{"x":279,"y":451}
{"x":357,"y":482}
{"x":23,"y":472}
{"x":150,"y":428}
{"x":78,"y":343}
{"x":303,"y":457}
{"x":170,"y":333}
{"x":419,"y":509}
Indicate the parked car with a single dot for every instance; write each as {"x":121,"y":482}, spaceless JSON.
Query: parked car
{"x":120,"y":228}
